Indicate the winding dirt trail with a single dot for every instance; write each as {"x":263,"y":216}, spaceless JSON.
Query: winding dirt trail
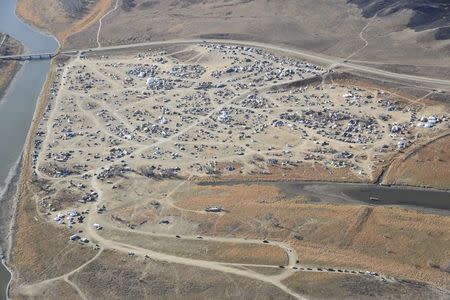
{"x":100,"y":22}
{"x":361,"y":36}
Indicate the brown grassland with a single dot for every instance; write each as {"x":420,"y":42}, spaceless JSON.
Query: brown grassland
{"x":51,"y":16}
{"x":391,"y":240}
{"x":206,"y":250}
{"x":118,"y":277}
{"x":338,"y":286}
{"x":425,"y":166}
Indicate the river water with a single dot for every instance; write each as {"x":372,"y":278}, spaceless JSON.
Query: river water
{"x":18,"y":104}
{"x":426,"y":200}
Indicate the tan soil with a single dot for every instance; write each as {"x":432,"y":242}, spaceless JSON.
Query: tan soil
{"x":305,"y":172}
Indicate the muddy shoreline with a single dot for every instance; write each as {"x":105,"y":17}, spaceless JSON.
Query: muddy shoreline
{"x":209,"y":180}
{"x":11,"y":74}
{"x":325,"y":192}
{"x":7,"y":213}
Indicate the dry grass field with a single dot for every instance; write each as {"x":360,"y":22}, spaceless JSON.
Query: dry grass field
{"x":342,"y":34}
{"x":385,"y":40}
{"x":52,"y":290}
{"x":206,"y":250}
{"x":48,"y":255}
{"x":120,"y":277}
{"x":339,"y":286}
{"x":426,"y":166}
{"x":62,"y":18}
{"x":391,"y":240}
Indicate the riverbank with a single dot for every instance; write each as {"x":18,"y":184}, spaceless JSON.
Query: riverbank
{"x":425,"y":200}
{"x":424,"y":166}
{"x":8,"y":69}
{"x":61,"y":20}
{"x":5,"y":277}
{"x":8,"y":208}
{"x":24,"y":197}
{"x":17,"y":106}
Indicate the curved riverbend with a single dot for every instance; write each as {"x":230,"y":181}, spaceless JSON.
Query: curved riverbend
{"x":17,"y":107}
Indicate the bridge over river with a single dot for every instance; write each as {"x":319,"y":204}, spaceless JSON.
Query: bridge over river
{"x":35,"y":56}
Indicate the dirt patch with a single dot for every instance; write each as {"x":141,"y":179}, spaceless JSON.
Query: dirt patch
{"x":52,"y":290}
{"x":305,"y":171}
{"x":265,"y":270}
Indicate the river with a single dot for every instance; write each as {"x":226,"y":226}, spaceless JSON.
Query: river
{"x":426,"y":200}
{"x":18,"y":104}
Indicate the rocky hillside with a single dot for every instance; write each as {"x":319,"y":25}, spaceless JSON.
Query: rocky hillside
{"x":426,"y":14}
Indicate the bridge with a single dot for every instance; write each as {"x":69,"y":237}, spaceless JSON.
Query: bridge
{"x":36,"y":56}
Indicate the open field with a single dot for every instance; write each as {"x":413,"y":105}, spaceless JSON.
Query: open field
{"x":125,"y":140}
{"x":8,"y":46}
